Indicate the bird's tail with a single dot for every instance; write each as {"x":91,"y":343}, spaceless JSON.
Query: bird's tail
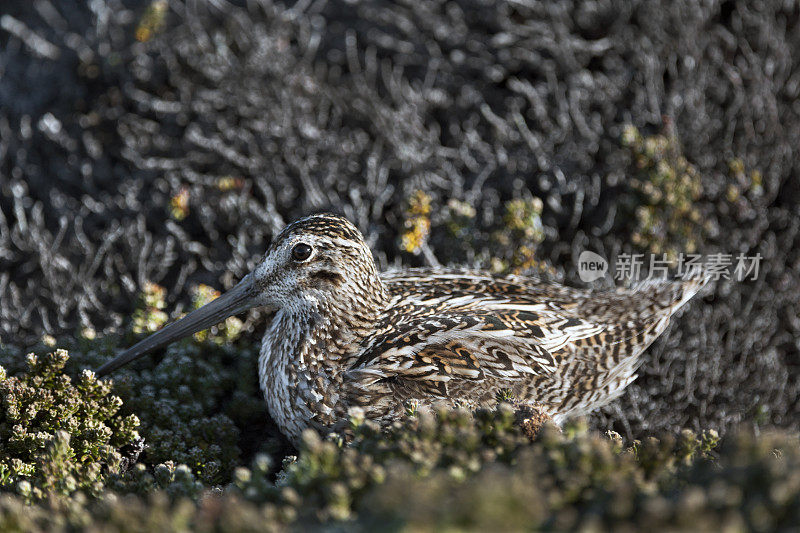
{"x":644,"y":300}
{"x":660,"y":297}
{"x":642,"y":314}
{"x":637,"y":315}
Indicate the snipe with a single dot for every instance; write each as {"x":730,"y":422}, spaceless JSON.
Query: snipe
{"x":345,"y":336}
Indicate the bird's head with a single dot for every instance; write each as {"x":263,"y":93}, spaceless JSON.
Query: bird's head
{"x":317,"y":261}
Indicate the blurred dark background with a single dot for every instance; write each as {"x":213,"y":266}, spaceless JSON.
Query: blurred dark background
{"x":168,"y":142}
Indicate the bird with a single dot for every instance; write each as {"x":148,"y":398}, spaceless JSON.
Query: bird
{"x":347,"y":338}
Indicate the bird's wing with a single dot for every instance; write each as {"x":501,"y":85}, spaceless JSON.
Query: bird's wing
{"x":467,"y":335}
{"x":463,"y":355}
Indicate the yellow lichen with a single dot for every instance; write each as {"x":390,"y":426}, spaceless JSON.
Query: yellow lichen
{"x":153,"y":20}
{"x":229,"y":183}
{"x":417,"y":223}
{"x":179,"y":204}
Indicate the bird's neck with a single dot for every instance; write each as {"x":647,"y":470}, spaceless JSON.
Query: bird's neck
{"x":331,"y":330}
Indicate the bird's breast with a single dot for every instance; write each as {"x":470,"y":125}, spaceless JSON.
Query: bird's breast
{"x":300,"y":390}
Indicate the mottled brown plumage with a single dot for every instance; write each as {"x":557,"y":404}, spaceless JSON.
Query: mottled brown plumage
{"x":345,"y":336}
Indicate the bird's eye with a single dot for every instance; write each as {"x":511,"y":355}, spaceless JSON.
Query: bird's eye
{"x":301,"y":252}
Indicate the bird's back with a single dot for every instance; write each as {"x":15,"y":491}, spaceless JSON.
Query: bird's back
{"x":465,"y":336}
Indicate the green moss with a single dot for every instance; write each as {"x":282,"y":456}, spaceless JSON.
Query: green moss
{"x":58,"y":436}
{"x":149,"y":315}
{"x":330,"y":480}
{"x":522,"y":232}
{"x":199,"y":402}
{"x":227,"y":331}
{"x":199,"y":405}
{"x":463,"y":471}
{"x":195,"y":404}
{"x":585,"y":482}
{"x":456,"y":469}
{"x":667,"y":187}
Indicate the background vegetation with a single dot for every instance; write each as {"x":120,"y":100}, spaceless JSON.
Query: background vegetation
{"x":149,"y":151}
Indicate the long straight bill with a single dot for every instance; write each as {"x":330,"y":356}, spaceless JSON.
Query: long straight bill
{"x":240,"y":298}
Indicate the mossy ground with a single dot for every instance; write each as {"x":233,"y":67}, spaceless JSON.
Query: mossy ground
{"x":449,"y":470}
